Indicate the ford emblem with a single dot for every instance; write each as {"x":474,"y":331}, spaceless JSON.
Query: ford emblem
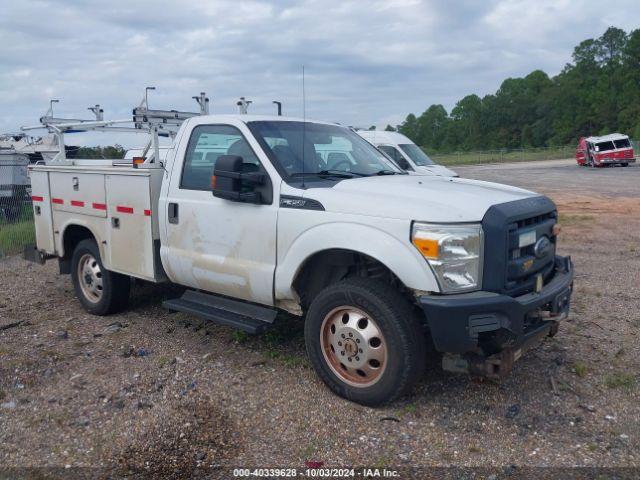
{"x":542,"y":246}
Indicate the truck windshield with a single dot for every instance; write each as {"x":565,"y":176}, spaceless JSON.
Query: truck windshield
{"x":326,"y":150}
{"x":416,"y":154}
{"x":622,"y":143}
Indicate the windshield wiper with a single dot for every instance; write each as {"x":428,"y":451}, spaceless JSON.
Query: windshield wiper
{"x":330,"y":173}
{"x":387,"y":172}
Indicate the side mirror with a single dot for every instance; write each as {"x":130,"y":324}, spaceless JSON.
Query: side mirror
{"x":403,"y":164}
{"x":231,"y":183}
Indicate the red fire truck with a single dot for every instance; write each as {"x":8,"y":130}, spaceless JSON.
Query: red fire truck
{"x":614,"y":149}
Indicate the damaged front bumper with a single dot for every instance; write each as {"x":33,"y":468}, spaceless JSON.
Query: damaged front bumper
{"x":484,"y":333}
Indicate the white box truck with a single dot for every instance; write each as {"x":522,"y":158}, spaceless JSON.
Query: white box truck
{"x":246,"y":212}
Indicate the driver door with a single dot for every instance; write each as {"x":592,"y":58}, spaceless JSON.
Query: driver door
{"x":213,"y":244}
{"x":396,"y":156}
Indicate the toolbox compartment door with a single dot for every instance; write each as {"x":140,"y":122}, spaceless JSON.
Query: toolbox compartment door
{"x":130,"y":228}
{"x":80,"y":193}
{"x":42,"y":214}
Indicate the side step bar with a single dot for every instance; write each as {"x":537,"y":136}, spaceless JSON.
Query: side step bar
{"x":243,"y":316}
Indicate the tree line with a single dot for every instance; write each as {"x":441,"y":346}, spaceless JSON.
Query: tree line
{"x":597,"y":93}
{"x":109,"y":152}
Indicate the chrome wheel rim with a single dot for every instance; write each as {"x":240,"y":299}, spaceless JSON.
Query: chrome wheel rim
{"x":90,"y":278}
{"x":353,"y":346}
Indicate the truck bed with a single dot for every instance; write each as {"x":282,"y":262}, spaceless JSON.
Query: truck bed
{"x":116,"y":203}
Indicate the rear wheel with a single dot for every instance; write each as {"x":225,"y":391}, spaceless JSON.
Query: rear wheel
{"x":364,"y":341}
{"x":100,"y":291}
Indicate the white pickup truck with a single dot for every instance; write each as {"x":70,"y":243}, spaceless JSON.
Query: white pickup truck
{"x":257,"y":214}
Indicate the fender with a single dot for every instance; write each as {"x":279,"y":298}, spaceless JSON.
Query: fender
{"x":90,"y":224}
{"x":400,"y":257}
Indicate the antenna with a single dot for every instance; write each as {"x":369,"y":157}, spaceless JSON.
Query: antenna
{"x":304,"y":125}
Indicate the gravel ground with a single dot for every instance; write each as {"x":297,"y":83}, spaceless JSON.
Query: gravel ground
{"x":150,"y":392}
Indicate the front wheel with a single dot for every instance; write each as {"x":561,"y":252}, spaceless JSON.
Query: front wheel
{"x":364,"y":341}
{"x":99,"y":290}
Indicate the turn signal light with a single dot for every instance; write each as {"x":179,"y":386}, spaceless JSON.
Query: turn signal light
{"x":556,"y":229}
{"x":427,"y":246}
{"x":214,"y":182}
{"x":138,"y":160}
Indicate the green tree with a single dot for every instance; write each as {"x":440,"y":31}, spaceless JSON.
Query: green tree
{"x":598,"y":93}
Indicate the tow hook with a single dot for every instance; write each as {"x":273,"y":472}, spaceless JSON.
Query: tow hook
{"x":549,"y":316}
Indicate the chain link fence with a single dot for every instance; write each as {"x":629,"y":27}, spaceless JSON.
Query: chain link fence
{"x":16,"y":214}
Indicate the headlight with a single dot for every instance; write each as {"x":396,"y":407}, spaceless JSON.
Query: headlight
{"x":454,"y":252}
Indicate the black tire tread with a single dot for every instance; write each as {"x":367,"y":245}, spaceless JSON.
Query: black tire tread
{"x":115,"y":295}
{"x":395,"y":306}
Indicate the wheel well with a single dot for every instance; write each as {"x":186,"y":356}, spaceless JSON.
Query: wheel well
{"x":72,"y":236}
{"x":330,"y":266}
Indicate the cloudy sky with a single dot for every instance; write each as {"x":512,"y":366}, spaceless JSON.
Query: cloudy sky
{"x":367,"y":62}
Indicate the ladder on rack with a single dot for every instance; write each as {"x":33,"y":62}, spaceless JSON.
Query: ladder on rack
{"x":156,"y":123}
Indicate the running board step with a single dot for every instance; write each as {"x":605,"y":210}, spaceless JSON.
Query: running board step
{"x":243,"y":316}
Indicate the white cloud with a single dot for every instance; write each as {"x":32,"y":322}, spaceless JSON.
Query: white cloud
{"x":366,"y":62}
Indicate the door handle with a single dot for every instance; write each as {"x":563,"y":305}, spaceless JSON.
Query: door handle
{"x":173,"y":212}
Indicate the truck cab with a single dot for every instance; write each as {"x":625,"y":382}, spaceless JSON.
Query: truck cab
{"x":614,"y":149}
{"x":258,"y":214}
{"x":405,"y":153}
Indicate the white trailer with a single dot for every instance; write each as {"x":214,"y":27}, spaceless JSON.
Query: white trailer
{"x":14,"y":183}
{"x":255,"y":214}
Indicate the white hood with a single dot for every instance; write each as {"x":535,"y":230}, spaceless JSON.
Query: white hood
{"x":414,"y":197}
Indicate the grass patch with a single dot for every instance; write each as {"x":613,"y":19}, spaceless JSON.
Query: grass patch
{"x":621,"y":380}
{"x":287,"y":359}
{"x":573,"y":219}
{"x":580,"y":369}
{"x":240,"y":336}
{"x":14,"y":236}
{"x":408,"y":409}
{"x":500,"y":156}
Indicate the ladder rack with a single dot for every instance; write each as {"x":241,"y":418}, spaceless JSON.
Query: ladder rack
{"x":156,"y":123}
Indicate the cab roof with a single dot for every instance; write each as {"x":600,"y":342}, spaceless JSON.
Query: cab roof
{"x":607,"y":138}
{"x":261,"y":118}
{"x":382,"y":136}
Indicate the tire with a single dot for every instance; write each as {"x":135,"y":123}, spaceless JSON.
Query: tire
{"x":361,"y":310}
{"x":624,"y":164}
{"x":100,"y":291}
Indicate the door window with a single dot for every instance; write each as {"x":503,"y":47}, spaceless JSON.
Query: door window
{"x":206,"y":145}
{"x":391,"y":151}
{"x":396,"y":156}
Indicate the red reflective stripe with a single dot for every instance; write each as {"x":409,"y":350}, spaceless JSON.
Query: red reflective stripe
{"x":59,"y":201}
{"x":77,"y":203}
{"x":147,"y":212}
{"x":99,"y":206}
{"x":122,"y":209}
{"x":37,"y":198}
